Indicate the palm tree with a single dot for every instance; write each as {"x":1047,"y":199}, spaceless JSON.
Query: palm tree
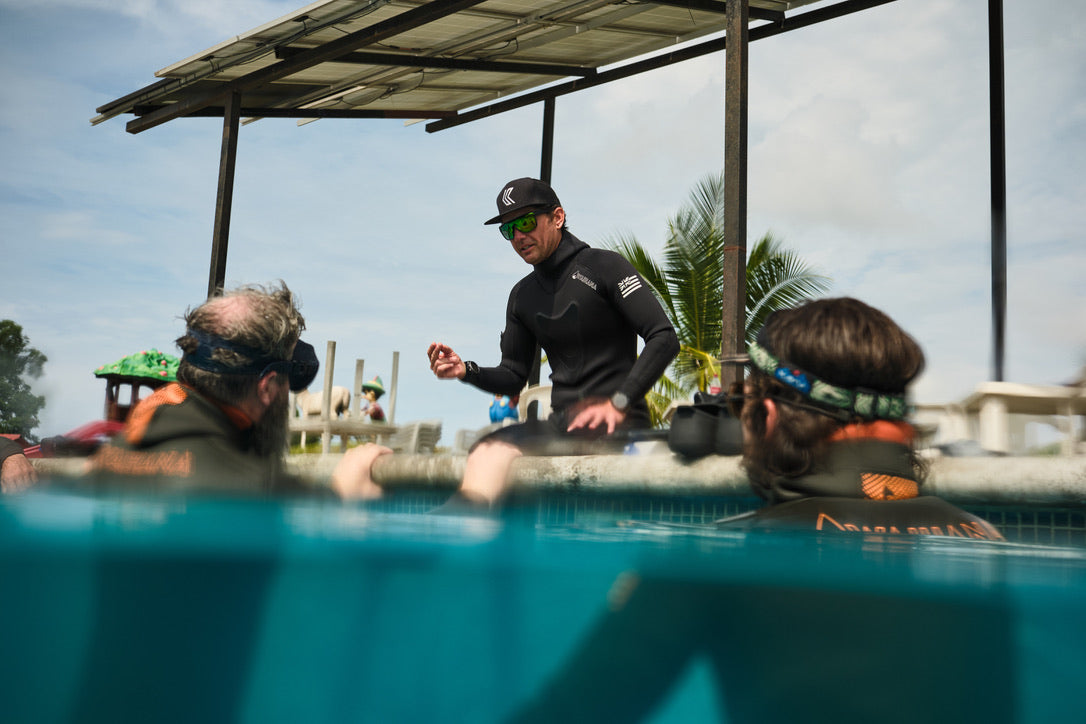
{"x":690,"y":285}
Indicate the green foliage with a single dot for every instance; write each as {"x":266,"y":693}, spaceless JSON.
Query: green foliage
{"x":690,"y":284}
{"x":19,"y":407}
{"x":777,"y":279}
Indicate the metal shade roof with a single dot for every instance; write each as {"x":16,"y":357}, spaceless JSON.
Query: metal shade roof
{"x":459,"y":60}
{"x":414,"y":59}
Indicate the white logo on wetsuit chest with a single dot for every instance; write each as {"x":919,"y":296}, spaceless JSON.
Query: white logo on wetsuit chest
{"x":582,"y":278}
{"x":629,"y":285}
{"x":507,"y":196}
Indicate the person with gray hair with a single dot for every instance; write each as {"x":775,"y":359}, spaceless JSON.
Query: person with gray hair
{"x":222,"y":427}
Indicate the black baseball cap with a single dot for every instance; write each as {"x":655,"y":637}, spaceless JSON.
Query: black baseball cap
{"x":523,"y":194}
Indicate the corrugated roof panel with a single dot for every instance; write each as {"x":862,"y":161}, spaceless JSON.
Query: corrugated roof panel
{"x":586,"y":34}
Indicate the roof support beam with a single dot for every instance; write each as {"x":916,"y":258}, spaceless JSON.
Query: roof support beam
{"x":676,"y":56}
{"x":387,"y":29}
{"x":218,"y":112}
{"x":431,"y":61}
{"x":224,"y":199}
{"x":547,"y":147}
{"x":733,"y":304}
{"x":999,"y":184}
{"x":545,"y":165}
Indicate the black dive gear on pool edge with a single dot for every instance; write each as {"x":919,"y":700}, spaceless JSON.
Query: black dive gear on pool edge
{"x":300,"y":369}
{"x":696,"y":431}
{"x":705,"y":428}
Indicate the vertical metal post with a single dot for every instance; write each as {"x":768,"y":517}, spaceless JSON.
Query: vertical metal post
{"x":545,"y":162}
{"x":999,"y":184}
{"x":734,"y":302}
{"x":547,"y":151}
{"x":225,"y":197}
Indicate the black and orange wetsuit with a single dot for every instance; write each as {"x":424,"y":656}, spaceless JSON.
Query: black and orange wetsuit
{"x":176,"y":440}
{"x":866,"y":484}
{"x":786,"y":650}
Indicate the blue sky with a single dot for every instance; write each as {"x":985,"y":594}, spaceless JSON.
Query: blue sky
{"x":868,"y":155}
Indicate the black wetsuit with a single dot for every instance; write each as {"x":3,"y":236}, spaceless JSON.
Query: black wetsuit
{"x":8,"y":448}
{"x":783,"y":650}
{"x":779,"y":651}
{"x":586,"y":308}
{"x":863,"y":486}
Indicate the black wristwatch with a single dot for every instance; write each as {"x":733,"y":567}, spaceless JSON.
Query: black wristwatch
{"x":620,"y":401}
{"x":470,"y":370}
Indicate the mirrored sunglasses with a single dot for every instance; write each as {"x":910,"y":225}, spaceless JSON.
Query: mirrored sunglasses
{"x":523,"y":224}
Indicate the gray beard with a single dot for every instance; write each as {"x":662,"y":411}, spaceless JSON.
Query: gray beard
{"x":270,"y":433}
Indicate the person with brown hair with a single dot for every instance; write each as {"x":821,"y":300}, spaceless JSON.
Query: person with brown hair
{"x":826,"y":442}
{"x":827,"y":445}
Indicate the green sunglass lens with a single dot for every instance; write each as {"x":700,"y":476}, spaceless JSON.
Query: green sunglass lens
{"x":523,"y":224}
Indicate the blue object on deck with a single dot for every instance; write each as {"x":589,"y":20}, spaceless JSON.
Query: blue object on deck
{"x":173,"y":609}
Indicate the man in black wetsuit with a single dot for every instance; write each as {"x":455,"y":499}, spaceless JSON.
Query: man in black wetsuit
{"x":586,"y":308}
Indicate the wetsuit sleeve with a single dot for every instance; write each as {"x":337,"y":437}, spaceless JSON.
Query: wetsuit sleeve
{"x":8,"y":448}
{"x":518,"y":352}
{"x":642,"y":311}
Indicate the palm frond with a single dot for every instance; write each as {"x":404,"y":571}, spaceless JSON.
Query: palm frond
{"x":689,"y":281}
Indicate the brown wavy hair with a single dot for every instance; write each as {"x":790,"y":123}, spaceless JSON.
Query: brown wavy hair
{"x":842,"y":341}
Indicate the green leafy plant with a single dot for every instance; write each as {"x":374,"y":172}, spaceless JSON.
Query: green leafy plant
{"x":689,"y":281}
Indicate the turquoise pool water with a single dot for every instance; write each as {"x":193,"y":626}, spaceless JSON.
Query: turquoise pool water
{"x":253,"y":611}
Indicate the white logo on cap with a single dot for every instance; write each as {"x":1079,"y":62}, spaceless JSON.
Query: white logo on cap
{"x":507,"y":196}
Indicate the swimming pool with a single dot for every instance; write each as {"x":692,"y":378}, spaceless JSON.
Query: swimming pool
{"x":255,"y":611}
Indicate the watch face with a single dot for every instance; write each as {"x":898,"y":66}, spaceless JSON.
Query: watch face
{"x":620,"y":401}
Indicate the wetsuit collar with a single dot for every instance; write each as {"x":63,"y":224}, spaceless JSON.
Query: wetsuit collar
{"x":238,"y":418}
{"x":885,"y":430}
{"x":569,"y":246}
{"x":871,"y":464}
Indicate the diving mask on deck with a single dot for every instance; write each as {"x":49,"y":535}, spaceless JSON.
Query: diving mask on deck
{"x":300,"y":369}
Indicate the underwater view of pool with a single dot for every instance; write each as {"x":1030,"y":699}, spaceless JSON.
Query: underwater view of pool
{"x":174,"y":609}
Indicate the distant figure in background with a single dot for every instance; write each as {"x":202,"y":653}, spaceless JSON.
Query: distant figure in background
{"x":16,"y":472}
{"x":504,"y":408}
{"x":372,"y":391}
